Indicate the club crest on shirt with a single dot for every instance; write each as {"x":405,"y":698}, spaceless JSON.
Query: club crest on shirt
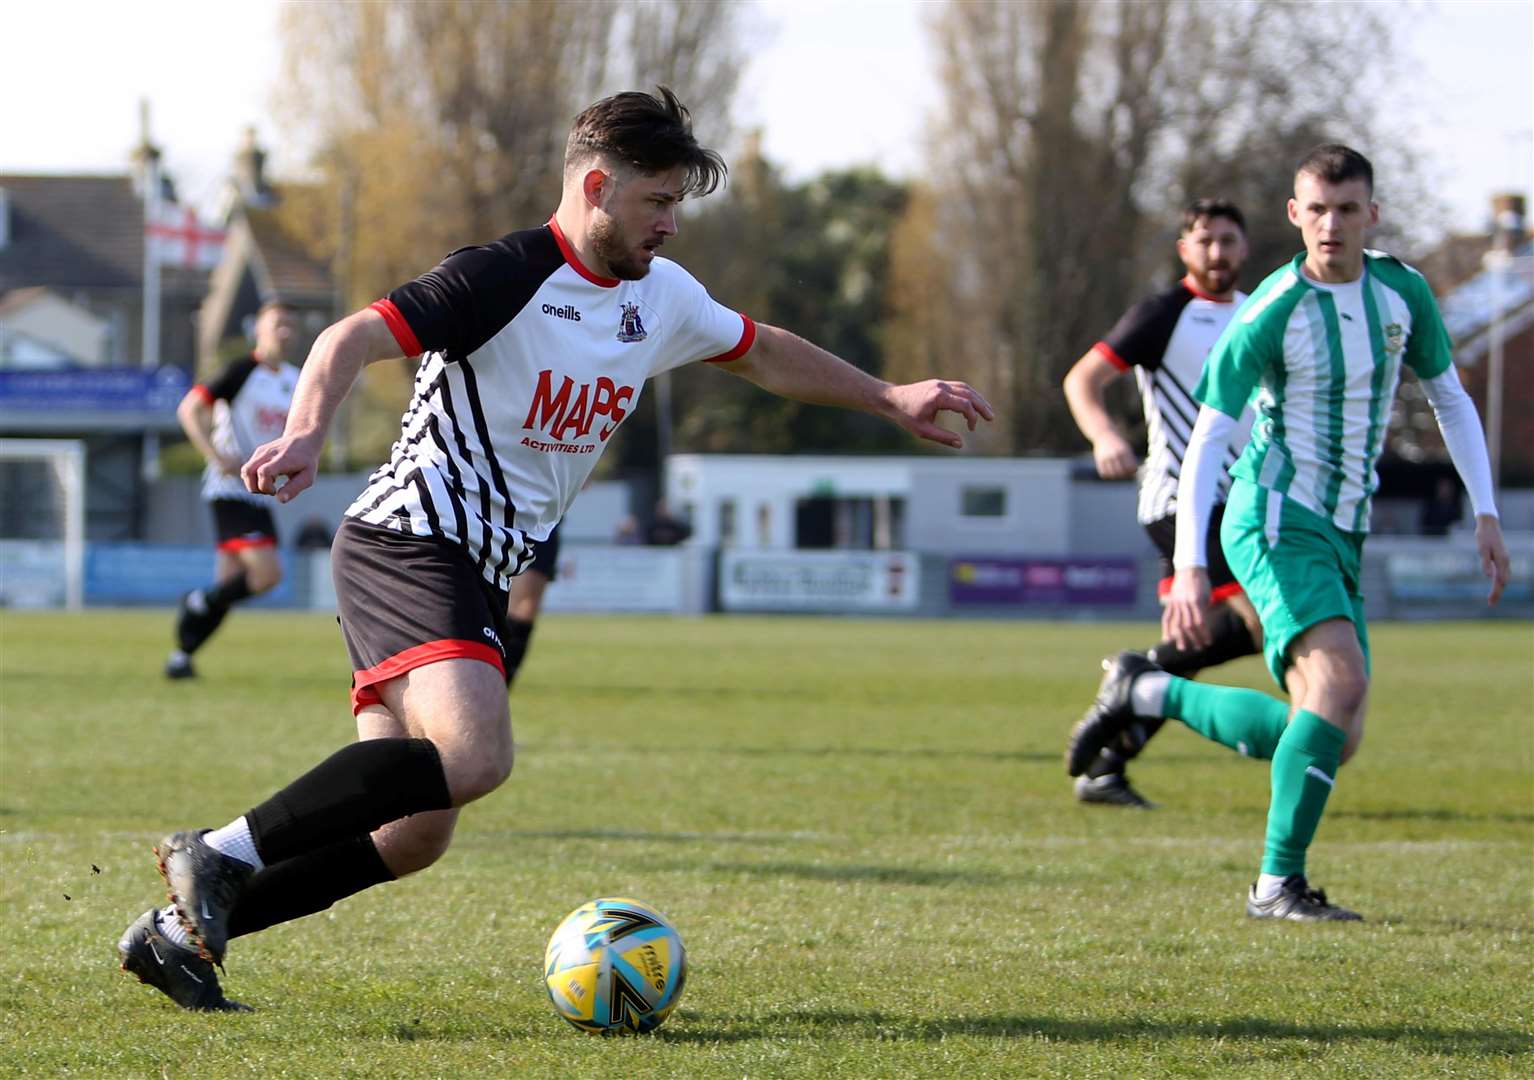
{"x":1395,"y":338}
{"x":629,"y":326}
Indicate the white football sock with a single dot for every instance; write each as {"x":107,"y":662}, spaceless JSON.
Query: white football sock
{"x":1147,"y":694}
{"x":169,"y":925}
{"x":234,"y":840}
{"x":1269,"y":886}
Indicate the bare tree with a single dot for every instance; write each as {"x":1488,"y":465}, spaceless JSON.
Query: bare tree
{"x":443,"y":123}
{"x":1072,"y":132}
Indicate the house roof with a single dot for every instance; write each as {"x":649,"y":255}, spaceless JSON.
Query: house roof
{"x":72,"y":231}
{"x":80,"y":232}
{"x":292,"y":272}
{"x":1469,"y":307}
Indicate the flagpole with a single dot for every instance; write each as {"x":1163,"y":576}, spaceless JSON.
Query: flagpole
{"x":149,"y":355}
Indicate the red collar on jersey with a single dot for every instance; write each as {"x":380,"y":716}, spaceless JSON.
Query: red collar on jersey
{"x":1192,"y":286}
{"x":575,"y":260}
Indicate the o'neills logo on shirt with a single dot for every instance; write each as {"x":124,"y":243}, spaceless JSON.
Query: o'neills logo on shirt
{"x":570,"y":412}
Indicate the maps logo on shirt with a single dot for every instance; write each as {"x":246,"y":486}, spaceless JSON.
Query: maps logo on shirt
{"x":630,"y":328}
{"x":571,"y":410}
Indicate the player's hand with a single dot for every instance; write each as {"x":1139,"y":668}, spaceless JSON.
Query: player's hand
{"x":1493,"y":551}
{"x":288,"y":464}
{"x":1114,"y":457}
{"x":916,"y":406}
{"x":1182,"y":619}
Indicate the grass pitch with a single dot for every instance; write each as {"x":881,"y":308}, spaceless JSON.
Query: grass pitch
{"x":862,"y":829}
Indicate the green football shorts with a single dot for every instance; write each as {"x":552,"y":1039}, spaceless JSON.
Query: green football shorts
{"x":1297,"y":568}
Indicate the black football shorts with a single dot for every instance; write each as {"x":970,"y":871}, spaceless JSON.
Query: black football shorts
{"x":546,"y":555}
{"x":239,"y":524}
{"x":407,"y":601}
{"x":1163,"y":533}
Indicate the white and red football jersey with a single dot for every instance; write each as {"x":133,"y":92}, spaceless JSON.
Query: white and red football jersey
{"x":250,"y":406}
{"x":531,"y":362}
{"x":1166,"y":339}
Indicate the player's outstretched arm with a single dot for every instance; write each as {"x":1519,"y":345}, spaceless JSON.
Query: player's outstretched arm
{"x":791,"y":367}
{"x":339,"y":354}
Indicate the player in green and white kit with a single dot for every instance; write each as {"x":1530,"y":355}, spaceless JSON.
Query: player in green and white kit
{"x":1320,"y":345}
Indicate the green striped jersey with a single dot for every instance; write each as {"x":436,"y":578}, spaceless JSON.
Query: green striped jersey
{"x":1323,"y":362}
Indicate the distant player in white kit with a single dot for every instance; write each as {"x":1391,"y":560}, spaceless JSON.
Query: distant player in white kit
{"x":535,"y":348}
{"x":226,"y":419}
{"x":1165,"y":340}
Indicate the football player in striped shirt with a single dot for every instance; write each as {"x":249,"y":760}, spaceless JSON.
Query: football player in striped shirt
{"x":534,"y":349}
{"x":1165,"y":339}
{"x":226,"y":419}
{"x":1320,"y":344}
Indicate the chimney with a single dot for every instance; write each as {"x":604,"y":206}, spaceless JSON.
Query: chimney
{"x":249,"y":171}
{"x":1508,"y":230}
{"x":145,"y":157}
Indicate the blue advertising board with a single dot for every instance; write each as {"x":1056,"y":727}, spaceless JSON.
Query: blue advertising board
{"x":129,"y":573}
{"x":126,"y":389}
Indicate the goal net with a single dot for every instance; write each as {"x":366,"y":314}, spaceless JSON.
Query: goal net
{"x":42,"y":523}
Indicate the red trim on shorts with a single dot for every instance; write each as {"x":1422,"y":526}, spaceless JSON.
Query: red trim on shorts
{"x":204,"y":395}
{"x":743,"y":346}
{"x":363,"y":682}
{"x":242,"y":543}
{"x":1103,"y":349}
{"x":1216,"y":595}
{"x":403,"y":335}
{"x":575,"y":260}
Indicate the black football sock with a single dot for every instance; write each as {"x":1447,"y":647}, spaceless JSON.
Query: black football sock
{"x":518,"y":635}
{"x":228,"y":592}
{"x":193,"y":629}
{"x":352,"y":792}
{"x":1230,"y":639}
{"x":309,"y":883}
{"x":196,"y":627}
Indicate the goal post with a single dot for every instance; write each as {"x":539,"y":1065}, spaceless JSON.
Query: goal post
{"x":42,"y":523}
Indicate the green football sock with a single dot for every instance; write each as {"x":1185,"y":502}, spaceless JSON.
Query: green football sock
{"x":1304,"y":770}
{"x":1248,"y":721}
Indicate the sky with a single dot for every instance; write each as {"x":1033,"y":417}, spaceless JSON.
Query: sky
{"x":830,"y":82}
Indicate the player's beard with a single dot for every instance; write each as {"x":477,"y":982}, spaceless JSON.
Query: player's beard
{"x":1217,"y":280}
{"x":610,"y":243}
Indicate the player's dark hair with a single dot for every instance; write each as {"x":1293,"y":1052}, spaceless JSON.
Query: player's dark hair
{"x":1334,"y":163}
{"x":1212,"y":208}
{"x":649,"y":133}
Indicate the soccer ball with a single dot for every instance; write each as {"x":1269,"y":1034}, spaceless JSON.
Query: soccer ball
{"x":615,"y":966}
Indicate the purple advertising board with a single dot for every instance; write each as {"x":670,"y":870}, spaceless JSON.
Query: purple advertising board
{"x":1000,"y":582}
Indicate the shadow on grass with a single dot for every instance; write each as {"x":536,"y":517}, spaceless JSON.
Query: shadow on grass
{"x":754,"y":839}
{"x":883,"y":875}
{"x":1433,"y":814}
{"x":1451,"y":1042}
{"x":919,"y":752}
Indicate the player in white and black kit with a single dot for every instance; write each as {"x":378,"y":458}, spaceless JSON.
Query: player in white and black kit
{"x":226,"y":418}
{"x":1166,"y":338}
{"x":534,"y":347}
